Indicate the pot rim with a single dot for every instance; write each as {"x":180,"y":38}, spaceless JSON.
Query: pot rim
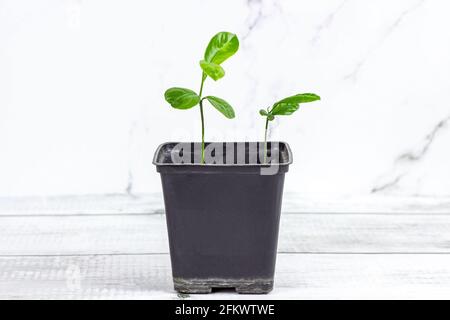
{"x":286,"y":145}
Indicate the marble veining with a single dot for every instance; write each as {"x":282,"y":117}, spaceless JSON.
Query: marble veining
{"x":407,"y":161}
{"x":389,"y":30}
{"x":83,"y":109}
{"x":326,"y":24}
{"x":255,"y":15}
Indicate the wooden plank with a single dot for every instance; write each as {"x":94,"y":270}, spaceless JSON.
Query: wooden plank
{"x":371,"y":203}
{"x":83,"y":205}
{"x":301,"y":276}
{"x":304,"y":233}
{"x":71,"y":235}
{"x":153,"y":204}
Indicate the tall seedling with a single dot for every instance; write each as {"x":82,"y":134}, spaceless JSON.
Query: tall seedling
{"x":222,"y":46}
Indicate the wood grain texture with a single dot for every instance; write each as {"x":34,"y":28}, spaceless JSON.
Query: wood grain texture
{"x":115,"y":247}
{"x":302,"y":276}
{"x":153,"y":204}
{"x":299,"y":233}
{"x":83,"y":205}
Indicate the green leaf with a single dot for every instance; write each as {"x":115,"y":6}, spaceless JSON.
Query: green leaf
{"x":263,"y":112}
{"x":222,"y":106}
{"x":181,"y":98}
{"x":284,"y":109}
{"x":270,"y":117}
{"x":289,"y":105}
{"x":211,"y":69}
{"x":222,"y":46}
{"x":300,"y":98}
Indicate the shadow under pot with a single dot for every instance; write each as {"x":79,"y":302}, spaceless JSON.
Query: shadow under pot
{"x":223,"y":215}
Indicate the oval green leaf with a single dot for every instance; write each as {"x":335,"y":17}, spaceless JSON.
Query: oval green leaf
{"x":263,"y":112}
{"x":284,"y":109}
{"x":300,"y":98}
{"x":222,"y":46}
{"x":271,"y":117}
{"x":181,"y":98}
{"x":222,"y":106}
{"x":212,"y":70}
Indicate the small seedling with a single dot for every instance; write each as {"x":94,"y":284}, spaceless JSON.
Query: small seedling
{"x":222,"y":46}
{"x":284,"y":107}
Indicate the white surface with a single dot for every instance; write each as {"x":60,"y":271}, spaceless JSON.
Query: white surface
{"x":153,"y":203}
{"x":300,"y":233}
{"x":82,"y":82}
{"x":121,"y":254}
{"x":302,"y":276}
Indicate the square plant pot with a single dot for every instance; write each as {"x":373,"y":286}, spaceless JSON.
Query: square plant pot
{"x":223,"y":216}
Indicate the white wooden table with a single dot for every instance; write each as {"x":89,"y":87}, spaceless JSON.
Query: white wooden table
{"x":115,"y":247}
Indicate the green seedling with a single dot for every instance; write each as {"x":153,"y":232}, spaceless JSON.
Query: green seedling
{"x":222,"y":46}
{"x":284,"y":107}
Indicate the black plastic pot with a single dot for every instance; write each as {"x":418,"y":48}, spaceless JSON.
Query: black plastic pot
{"x":223,"y":218}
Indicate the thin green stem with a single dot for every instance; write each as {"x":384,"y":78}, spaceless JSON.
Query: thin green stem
{"x":202,"y":118}
{"x":265,"y":139}
{"x":203,"y":132}
{"x":201,"y":85}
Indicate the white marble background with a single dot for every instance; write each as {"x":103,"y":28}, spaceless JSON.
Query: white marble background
{"x":82,"y":82}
